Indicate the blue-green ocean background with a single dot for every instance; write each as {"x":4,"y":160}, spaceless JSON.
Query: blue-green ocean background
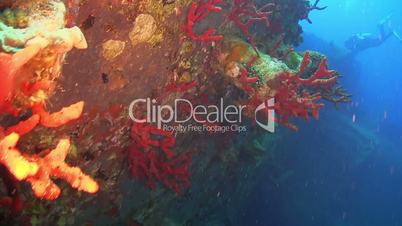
{"x":342,"y":172}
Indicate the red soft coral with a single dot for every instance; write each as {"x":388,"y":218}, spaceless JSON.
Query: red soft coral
{"x":247,"y":81}
{"x":148,"y":164}
{"x":197,"y":13}
{"x":245,"y":14}
{"x":149,"y":136}
{"x":294,"y":97}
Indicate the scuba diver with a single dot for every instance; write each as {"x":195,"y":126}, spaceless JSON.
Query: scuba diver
{"x":363,"y":41}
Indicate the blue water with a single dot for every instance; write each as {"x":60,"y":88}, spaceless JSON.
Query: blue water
{"x":376,"y":86}
{"x":340,"y":171}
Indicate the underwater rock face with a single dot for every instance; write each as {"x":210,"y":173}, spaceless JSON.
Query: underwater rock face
{"x":143,"y":30}
{"x":146,"y":177}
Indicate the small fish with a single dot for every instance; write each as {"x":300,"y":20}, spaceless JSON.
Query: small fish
{"x":88,"y":22}
{"x":105,"y":78}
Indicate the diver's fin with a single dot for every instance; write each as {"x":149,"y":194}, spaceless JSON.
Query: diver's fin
{"x":396,"y":35}
{"x":386,"y":19}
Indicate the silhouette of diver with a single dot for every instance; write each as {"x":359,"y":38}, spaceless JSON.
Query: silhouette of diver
{"x":362,"y":41}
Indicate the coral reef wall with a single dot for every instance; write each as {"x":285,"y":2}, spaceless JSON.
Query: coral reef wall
{"x":96,"y":57}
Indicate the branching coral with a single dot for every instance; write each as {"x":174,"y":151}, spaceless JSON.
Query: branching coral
{"x":53,"y":165}
{"x":13,"y":160}
{"x":24,"y":127}
{"x":149,"y":136}
{"x":315,"y":6}
{"x":37,"y":169}
{"x":293,"y":97}
{"x":60,"y":118}
{"x":147,"y":164}
{"x":245,"y":14}
{"x":296,"y":91}
{"x":150,"y":166}
{"x":196,"y":14}
{"x":337,"y":95}
{"x":247,"y":81}
{"x":284,"y":22}
{"x":27,"y":76}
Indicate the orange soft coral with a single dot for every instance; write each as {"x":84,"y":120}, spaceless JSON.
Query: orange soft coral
{"x":13,"y":160}
{"x":24,"y":127}
{"x":60,"y":118}
{"x":53,"y":165}
{"x":7,"y":78}
{"x":39,"y":169}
